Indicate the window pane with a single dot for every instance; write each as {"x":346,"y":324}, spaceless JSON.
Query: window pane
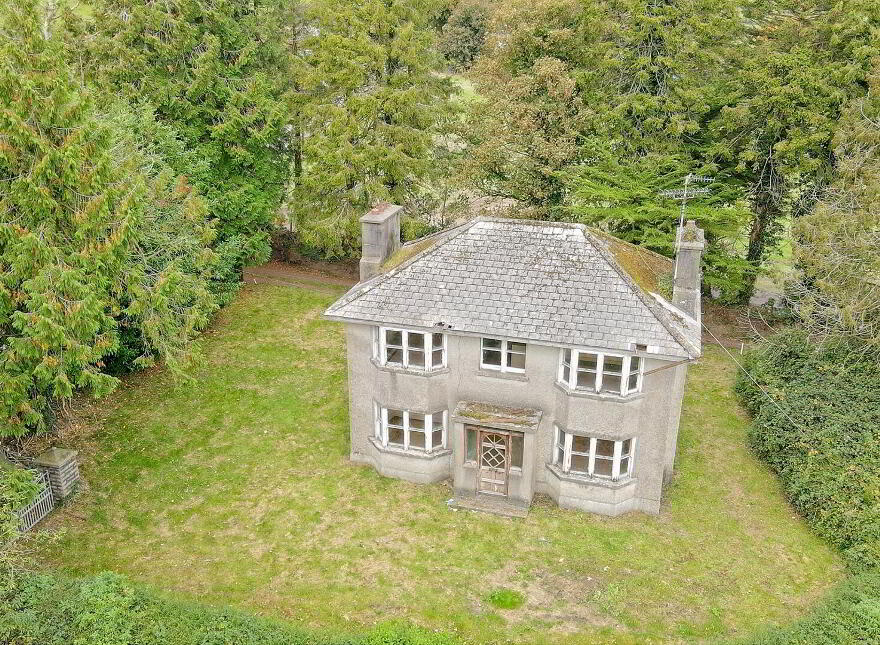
{"x":613,"y":365}
{"x":393,"y":355}
{"x":437,"y":358}
{"x":586,"y":361}
{"x":471,"y":448}
{"x":610,"y":383}
{"x":580,"y":464}
{"x":634,"y":364}
{"x":586,"y":380}
{"x":395,"y":418}
{"x":437,"y":440}
{"x":416,"y":358}
{"x":626,"y":445}
{"x":518,"y":348}
{"x":580,"y":444}
{"x":416,"y":421}
{"x":417,"y":439}
{"x":491,"y":343}
{"x":438,"y":341}
{"x":416,"y":340}
{"x":566,"y":372}
{"x":633,"y":382}
{"x":516,"y":450}
{"x":604,"y":448}
{"x":492,"y":357}
{"x":560,"y":453}
{"x":516,"y":361}
{"x":395,"y":436}
{"x":624,"y":466}
{"x":566,"y":356}
{"x":602,"y":467}
{"x":393,"y":337}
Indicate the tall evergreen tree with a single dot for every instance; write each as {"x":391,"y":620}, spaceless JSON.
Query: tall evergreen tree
{"x":216,"y":71}
{"x":91,"y":237}
{"x":801,"y":62}
{"x":375,"y":108}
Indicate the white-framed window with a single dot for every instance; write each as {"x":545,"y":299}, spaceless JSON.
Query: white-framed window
{"x":410,"y":430}
{"x":502,"y":355}
{"x":591,"y":456}
{"x":412,"y":350}
{"x":595,"y":372}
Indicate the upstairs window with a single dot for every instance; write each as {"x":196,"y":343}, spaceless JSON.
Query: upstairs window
{"x":409,"y":349}
{"x":594,"y":372}
{"x":591,"y":456}
{"x":502,"y":355}
{"x":410,"y":430}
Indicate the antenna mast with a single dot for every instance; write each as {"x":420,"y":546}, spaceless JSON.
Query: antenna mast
{"x":686,"y":193}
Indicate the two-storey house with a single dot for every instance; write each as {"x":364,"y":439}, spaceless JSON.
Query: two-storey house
{"x":519,"y":357}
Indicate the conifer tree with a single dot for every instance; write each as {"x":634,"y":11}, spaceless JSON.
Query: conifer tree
{"x":215,"y":71}
{"x":91,"y":237}
{"x":376,"y":106}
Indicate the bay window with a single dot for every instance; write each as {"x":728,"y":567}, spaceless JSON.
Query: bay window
{"x":409,"y":349}
{"x":597,"y":372}
{"x":410,"y":430}
{"x":592,"y":456}
{"x":502,"y":355}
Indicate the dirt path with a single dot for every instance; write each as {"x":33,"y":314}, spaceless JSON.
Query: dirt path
{"x":305,"y":273}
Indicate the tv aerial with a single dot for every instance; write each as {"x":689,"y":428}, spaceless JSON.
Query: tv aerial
{"x":687,"y":192}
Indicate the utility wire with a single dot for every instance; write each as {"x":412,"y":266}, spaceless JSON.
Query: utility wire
{"x":752,"y":379}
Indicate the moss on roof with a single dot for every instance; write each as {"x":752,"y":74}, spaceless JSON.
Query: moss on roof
{"x":407,"y":251}
{"x":650,"y":270}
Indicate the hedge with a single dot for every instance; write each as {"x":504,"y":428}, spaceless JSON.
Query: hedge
{"x":108,"y":609}
{"x":817,"y":424}
{"x":821,"y":434}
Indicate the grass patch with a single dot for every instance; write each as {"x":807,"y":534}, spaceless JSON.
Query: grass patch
{"x":506,"y":599}
{"x":235,"y":488}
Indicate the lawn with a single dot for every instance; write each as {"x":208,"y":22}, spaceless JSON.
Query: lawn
{"x":235,"y":488}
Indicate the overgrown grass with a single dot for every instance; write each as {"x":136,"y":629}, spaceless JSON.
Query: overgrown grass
{"x":236,"y":489}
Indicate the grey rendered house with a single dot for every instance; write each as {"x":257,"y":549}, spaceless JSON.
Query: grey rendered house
{"x":519,"y":357}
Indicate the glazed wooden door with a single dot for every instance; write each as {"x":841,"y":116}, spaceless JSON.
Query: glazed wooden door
{"x":494,"y":462}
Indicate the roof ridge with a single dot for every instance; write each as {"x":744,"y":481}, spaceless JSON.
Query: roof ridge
{"x":659,"y":313}
{"x":362,"y":288}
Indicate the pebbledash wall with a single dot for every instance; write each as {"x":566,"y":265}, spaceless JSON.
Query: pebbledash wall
{"x":651,"y":417}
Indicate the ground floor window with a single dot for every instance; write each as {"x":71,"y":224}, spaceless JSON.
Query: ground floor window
{"x":584,"y":455}
{"x":409,"y":429}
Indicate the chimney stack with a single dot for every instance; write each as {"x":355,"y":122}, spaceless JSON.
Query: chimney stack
{"x":380,"y":237}
{"x":687,"y":285}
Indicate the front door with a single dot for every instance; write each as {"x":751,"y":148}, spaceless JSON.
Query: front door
{"x":494,"y":462}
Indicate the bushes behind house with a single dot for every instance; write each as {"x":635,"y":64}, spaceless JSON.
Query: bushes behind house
{"x":110,"y":610}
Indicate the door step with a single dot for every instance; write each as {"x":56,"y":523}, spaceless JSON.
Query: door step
{"x":496,"y":505}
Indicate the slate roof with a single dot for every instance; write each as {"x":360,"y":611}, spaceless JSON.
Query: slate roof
{"x":543,"y":282}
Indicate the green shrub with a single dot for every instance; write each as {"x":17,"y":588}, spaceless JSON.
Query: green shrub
{"x":818,"y":426}
{"x":108,"y":609}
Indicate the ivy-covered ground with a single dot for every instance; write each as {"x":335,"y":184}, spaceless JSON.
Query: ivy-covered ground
{"x":235,"y":488}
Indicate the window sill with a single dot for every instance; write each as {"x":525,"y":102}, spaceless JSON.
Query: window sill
{"x":408,"y":370}
{"x":415,"y":454}
{"x":586,"y":480}
{"x":509,"y":376}
{"x":599,"y":396}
